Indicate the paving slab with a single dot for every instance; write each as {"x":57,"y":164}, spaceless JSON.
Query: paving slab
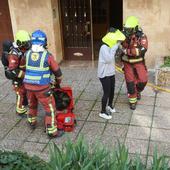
{"x":162,"y":121}
{"x":76,"y":94}
{"x":81,"y":114}
{"x":99,"y":99}
{"x":162,"y":135}
{"x":163,"y":148}
{"x":9,"y":119}
{"x":92,"y":132}
{"x":123,"y":89}
{"x":163,"y":102}
{"x":162,"y":94}
{"x":3,"y":81}
{"x":121,"y":118}
{"x":162,"y":111}
{"x":23,"y":122}
{"x":97,"y":106}
{"x":32,"y":147}
{"x":7,"y":144}
{"x":38,"y":136}
{"x":7,"y":122}
{"x":122,"y":99}
{"x":115,"y":130}
{"x":147,"y":100}
{"x":148,"y":91}
{"x":10,"y":98}
{"x":19,"y":133}
{"x":137,"y":132}
{"x":141,"y":120}
{"x":143,"y":110}
{"x":5,"y":107}
{"x":94,"y":116}
{"x":84,"y":105}
{"x":137,"y":146}
{"x":122,"y":108}
{"x":111,"y":142}
{"x":6,"y":88}
{"x":89,"y":96}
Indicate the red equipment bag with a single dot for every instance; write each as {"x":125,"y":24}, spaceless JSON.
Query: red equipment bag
{"x":66,"y":121}
{"x":65,"y":117}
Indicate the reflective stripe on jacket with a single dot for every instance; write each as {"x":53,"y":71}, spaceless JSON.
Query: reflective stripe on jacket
{"x":37,"y":68}
{"x":136,"y":47}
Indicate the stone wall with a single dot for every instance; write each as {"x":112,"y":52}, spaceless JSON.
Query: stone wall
{"x":154,"y":16}
{"x":37,"y":14}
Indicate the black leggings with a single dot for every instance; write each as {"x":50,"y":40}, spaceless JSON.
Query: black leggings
{"x":108,"y":84}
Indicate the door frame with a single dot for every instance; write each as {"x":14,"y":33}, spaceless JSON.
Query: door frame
{"x":61,"y":27}
{"x":91,"y":20}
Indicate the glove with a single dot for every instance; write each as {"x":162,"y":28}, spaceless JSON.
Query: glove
{"x":19,"y":73}
{"x":55,"y":84}
{"x":124,"y":51}
{"x":119,"y":52}
{"x":10,"y":74}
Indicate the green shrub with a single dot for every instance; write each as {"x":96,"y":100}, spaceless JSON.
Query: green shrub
{"x":159,"y":163}
{"x":78,"y":156}
{"x":16,"y":160}
{"x":166,"y":62}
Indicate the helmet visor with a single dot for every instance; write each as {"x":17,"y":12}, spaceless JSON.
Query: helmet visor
{"x":128,"y":31}
{"x":23,"y":44}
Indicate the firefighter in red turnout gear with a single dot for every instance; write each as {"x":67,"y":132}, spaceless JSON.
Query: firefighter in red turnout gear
{"x":16,"y":69}
{"x":134,"y":49}
{"x":40,"y":64}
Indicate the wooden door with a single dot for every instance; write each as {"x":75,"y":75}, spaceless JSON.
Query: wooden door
{"x":5,"y":23}
{"x":76,"y":24}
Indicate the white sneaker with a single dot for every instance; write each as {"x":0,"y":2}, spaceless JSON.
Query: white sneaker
{"x":110,"y":110}
{"x":105,"y":115}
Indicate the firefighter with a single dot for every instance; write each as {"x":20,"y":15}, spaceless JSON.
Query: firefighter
{"x":133,"y":58}
{"x":15,"y":70}
{"x":106,"y":70}
{"x":40,"y":64}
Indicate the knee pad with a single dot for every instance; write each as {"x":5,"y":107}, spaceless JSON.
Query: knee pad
{"x":131,"y":87}
{"x":140,"y":86}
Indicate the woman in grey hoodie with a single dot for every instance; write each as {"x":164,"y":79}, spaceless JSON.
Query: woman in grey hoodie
{"x":106,"y":70}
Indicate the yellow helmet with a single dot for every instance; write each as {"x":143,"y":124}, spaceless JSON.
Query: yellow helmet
{"x":111,"y":38}
{"x":22,"y":36}
{"x":22,"y":39}
{"x":131,"y":22}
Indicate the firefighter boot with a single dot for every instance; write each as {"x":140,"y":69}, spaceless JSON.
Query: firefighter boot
{"x":138,"y":96}
{"x":32,"y":122}
{"x":21,"y":112}
{"x":54,"y":132}
{"x":133,"y":106}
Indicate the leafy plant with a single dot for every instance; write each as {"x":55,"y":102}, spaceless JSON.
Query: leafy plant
{"x":78,"y":156}
{"x":16,"y":160}
{"x":159,"y":163}
{"x":166,"y":62}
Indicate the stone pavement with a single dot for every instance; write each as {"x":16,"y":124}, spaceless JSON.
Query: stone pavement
{"x":140,"y":130}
